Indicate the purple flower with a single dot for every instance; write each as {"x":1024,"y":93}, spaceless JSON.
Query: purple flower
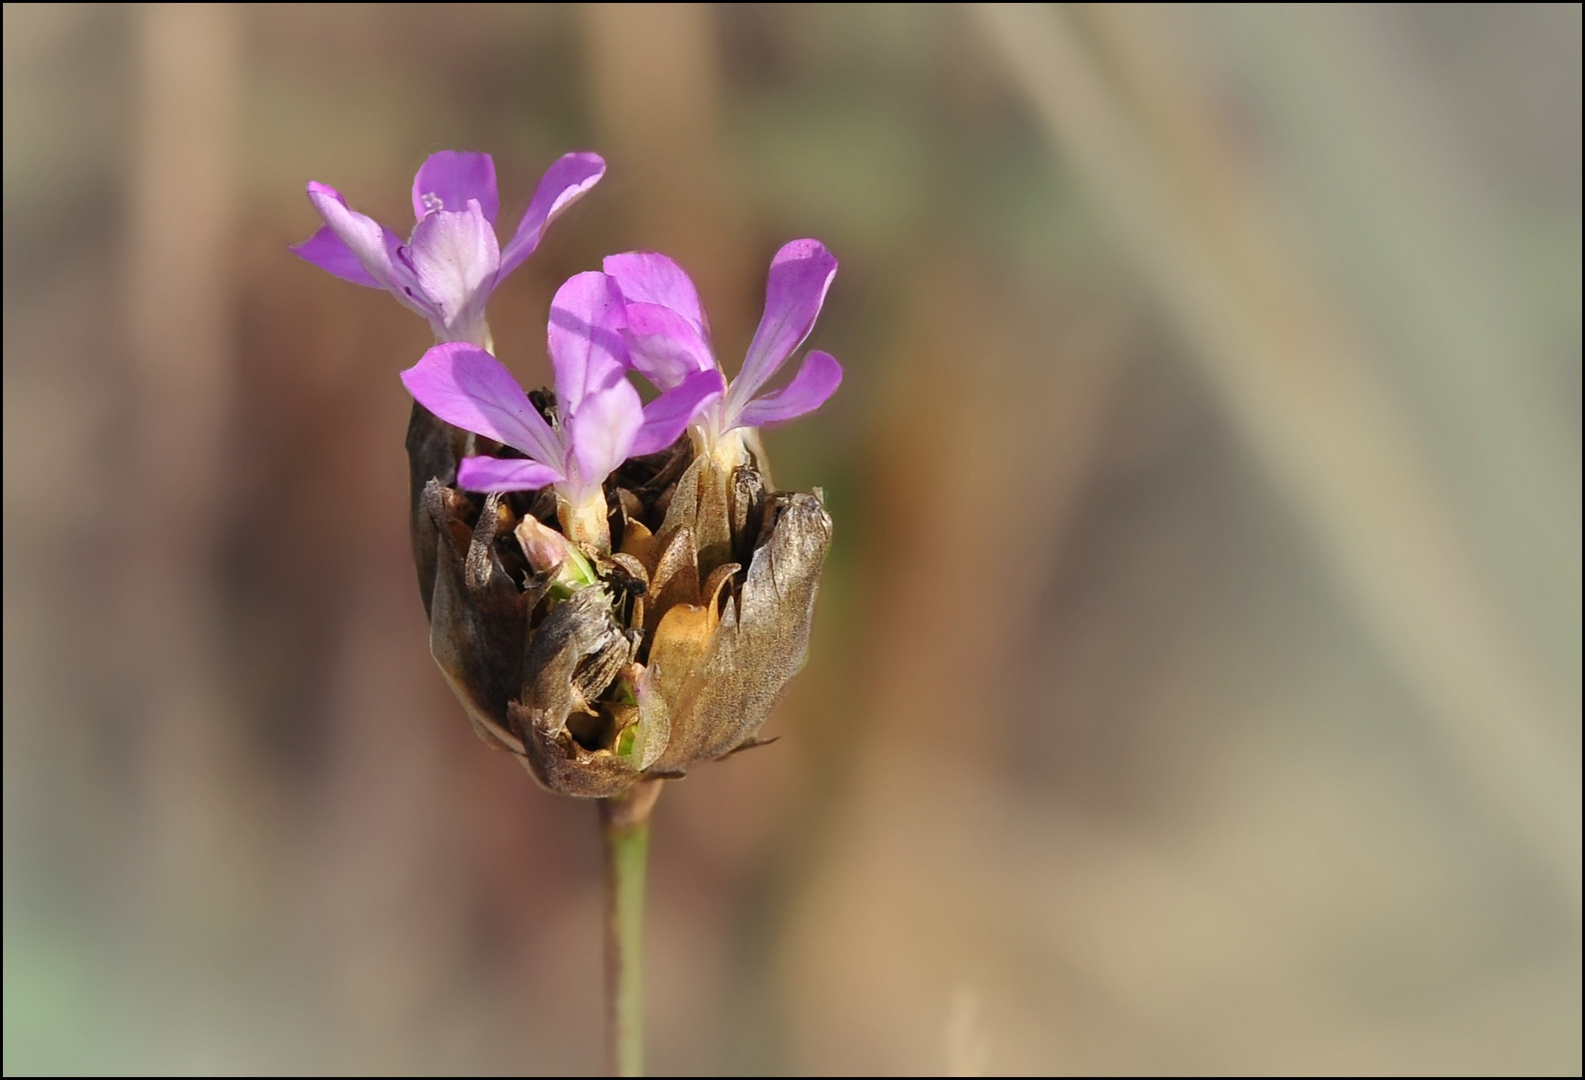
{"x":668,"y":335}
{"x":600,"y":420}
{"x":452,"y":260}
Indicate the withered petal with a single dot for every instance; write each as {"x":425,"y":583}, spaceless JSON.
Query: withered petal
{"x":748,"y":512}
{"x":432,"y":446}
{"x":574,"y":631}
{"x":676,"y":577}
{"x":474,"y":644}
{"x":700,"y":504}
{"x":761,"y":642}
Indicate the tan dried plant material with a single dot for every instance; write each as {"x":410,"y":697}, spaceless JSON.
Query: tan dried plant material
{"x":671,"y":651}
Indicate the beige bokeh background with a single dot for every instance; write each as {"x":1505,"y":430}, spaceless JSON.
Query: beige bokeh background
{"x":1196,"y":681}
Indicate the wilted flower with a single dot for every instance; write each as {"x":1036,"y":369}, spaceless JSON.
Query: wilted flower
{"x":601,"y":420}
{"x":602,"y":665}
{"x":452,"y":260}
{"x":669,"y":340}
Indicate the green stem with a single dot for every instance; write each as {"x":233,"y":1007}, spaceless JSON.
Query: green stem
{"x":625,"y":824}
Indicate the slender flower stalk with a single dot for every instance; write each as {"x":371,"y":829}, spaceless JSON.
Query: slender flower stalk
{"x":452,"y":259}
{"x":624,"y":826}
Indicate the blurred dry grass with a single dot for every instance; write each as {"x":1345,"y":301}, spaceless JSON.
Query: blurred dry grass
{"x":1196,"y":684}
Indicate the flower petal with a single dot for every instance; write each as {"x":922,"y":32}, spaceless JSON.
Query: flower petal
{"x":669,"y":415}
{"x":563,"y":183}
{"x":816,"y":381}
{"x":468,"y":388}
{"x":450,"y":178}
{"x":329,"y":252}
{"x":602,"y":433}
{"x":585,"y":339}
{"x":455,"y":257}
{"x":796,"y":288}
{"x":504,"y":474}
{"x":664,"y":346}
{"x":372,"y":245}
{"x":646,"y":277}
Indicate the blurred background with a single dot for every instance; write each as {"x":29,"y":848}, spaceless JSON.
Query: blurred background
{"x":1196,"y":679}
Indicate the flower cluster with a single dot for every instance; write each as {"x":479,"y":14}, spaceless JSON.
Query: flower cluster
{"x":615,"y":592}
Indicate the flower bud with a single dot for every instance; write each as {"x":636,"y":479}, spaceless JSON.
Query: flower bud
{"x":549,"y":552}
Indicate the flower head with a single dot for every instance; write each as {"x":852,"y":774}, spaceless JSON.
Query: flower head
{"x":601,"y":673}
{"x":599,"y":420}
{"x":668,"y":336}
{"x":656,"y":628}
{"x":452,"y":260}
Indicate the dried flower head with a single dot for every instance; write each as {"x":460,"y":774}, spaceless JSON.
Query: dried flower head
{"x":605,"y":654}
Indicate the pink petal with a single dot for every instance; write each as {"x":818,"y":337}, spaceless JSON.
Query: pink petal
{"x":585,"y":339}
{"x":646,"y":277}
{"x":602,"y":433}
{"x":455,"y":258}
{"x":468,"y":388}
{"x":563,"y":183}
{"x":372,"y":245}
{"x":669,"y":415}
{"x":795,"y":290}
{"x":664,"y":346}
{"x":329,"y":252}
{"x":504,"y":474}
{"x":816,"y":381}
{"x":450,"y":178}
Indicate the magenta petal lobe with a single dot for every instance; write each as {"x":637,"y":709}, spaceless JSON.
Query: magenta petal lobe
{"x":815,"y":382}
{"x":669,"y":415}
{"x":450,"y":178}
{"x":455,"y":259}
{"x":795,"y":290}
{"x":468,"y":388}
{"x":374,"y":246}
{"x":504,"y":474}
{"x":362,"y":235}
{"x":602,"y":432}
{"x":646,"y":277}
{"x":329,"y":252}
{"x":564,"y":183}
{"x":585,"y":338}
{"x":664,"y":346}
